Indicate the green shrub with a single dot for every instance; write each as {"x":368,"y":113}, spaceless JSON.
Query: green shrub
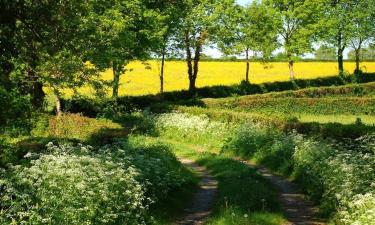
{"x":333,"y":174}
{"x":60,"y":188}
{"x":75,"y":126}
{"x":114,"y":184}
{"x":247,"y":139}
{"x":295,"y":106}
{"x":194,"y":129}
{"x":15,"y":112}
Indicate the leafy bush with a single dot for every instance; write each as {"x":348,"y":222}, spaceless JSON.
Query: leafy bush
{"x":338,"y":105}
{"x":59,"y":188}
{"x":159,"y":170}
{"x":335,"y":174}
{"x":114,"y":184}
{"x":15,"y":111}
{"x":73,"y":126}
{"x":195,"y":129}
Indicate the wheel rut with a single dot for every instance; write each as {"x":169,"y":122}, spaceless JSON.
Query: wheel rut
{"x":297,"y":209}
{"x":203,"y":200}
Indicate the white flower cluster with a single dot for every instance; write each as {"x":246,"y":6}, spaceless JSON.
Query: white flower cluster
{"x":192,"y":128}
{"x":341,"y":175}
{"x":347,"y":178}
{"x":81,"y":185}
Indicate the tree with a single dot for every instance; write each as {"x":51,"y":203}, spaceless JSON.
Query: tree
{"x":169,"y":14}
{"x":119,"y":36}
{"x":198,"y":27}
{"x":52,"y":45}
{"x":362,"y":16}
{"x":367,"y":53}
{"x":335,"y":27}
{"x":298,"y":19}
{"x":325,"y":52}
{"x":249,"y":29}
{"x":13,"y":16}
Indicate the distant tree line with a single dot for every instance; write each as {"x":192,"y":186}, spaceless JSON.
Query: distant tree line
{"x":64,"y":45}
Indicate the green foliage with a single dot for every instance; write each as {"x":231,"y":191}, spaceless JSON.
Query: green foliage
{"x":194,"y":129}
{"x":250,"y":28}
{"x":114,"y":184}
{"x":325,"y":52}
{"x":297,"y":19}
{"x":15,"y":108}
{"x":60,"y":188}
{"x":334,"y":175}
{"x":71,"y":127}
{"x":295,"y":106}
{"x":111,"y":108}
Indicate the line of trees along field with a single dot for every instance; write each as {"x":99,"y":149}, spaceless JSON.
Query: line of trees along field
{"x":66,"y":44}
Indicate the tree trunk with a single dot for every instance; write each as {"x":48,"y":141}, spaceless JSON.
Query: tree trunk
{"x":192,"y":85}
{"x":37,"y":94}
{"x":189,"y":63}
{"x":340,"y":60}
{"x":247,"y":65}
{"x":35,"y":89}
{"x":357,"y":60}
{"x":197,"y":57}
{"x":340,"y":51}
{"x":291,"y":68}
{"x":58,"y":103}
{"x":116,"y":80}
{"x":357,"y":55}
{"x":162,"y":72}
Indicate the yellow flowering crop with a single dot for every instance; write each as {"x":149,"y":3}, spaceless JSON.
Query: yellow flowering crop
{"x":141,"y":78}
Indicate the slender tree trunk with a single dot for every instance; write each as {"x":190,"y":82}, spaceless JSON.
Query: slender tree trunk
{"x":162,"y":72}
{"x":357,"y":59}
{"x":340,"y":53}
{"x":197,"y":57}
{"x":247,"y":65}
{"x":291,"y":67}
{"x":57,"y":102}
{"x":189,"y":63}
{"x":193,"y":64}
{"x":35,"y":89}
{"x":340,"y":60}
{"x":116,"y":80}
{"x":357,"y":50}
{"x":58,"y":106}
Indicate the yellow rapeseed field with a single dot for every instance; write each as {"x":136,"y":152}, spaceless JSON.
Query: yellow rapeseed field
{"x":142,"y":78}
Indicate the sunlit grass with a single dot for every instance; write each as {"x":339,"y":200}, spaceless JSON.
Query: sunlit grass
{"x":244,"y":198}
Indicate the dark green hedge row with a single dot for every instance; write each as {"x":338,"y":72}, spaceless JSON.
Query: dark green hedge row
{"x":94,"y":108}
{"x":287,"y":105}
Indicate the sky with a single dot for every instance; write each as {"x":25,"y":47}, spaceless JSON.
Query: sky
{"x":243,"y":2}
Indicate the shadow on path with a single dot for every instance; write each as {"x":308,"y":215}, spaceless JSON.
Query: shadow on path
{"x":204,"y":198}
{"x":297,"y":209}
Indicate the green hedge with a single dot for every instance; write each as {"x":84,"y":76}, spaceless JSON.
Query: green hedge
{"x":294,"y":106}
{"x":94,"y":108}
